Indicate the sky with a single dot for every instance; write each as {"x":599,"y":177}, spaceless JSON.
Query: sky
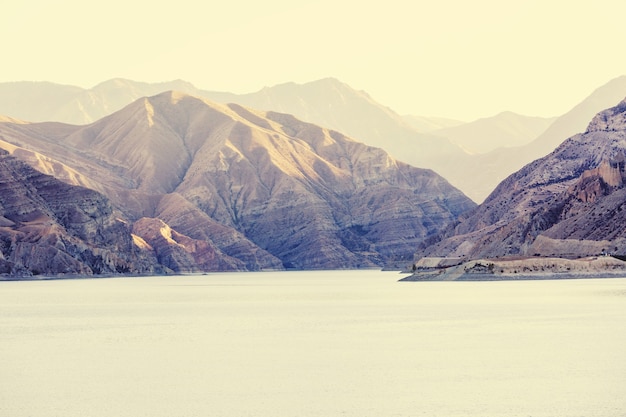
{"x":450,"y":58}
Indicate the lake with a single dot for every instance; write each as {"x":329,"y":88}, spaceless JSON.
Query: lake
{"x":332,"y":343}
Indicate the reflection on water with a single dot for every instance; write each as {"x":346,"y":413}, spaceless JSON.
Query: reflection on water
{"x":348,"y":343}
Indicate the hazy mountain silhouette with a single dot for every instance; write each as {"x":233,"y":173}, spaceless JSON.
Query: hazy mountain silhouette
{"x":327,"y":102}
{"x":479,"y":175}
{"x":504,"y":130}
{"x":424,"y":124}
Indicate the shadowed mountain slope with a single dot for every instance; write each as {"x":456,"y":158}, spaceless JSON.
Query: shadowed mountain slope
{"x":48,"y":227}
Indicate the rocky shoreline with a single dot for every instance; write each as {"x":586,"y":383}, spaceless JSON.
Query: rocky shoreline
{"x":519,"y":268}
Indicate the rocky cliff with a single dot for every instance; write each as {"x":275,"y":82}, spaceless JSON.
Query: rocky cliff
{"x":262,"y":190}
{"x":48,"y":228}
{"x":570,"y":203}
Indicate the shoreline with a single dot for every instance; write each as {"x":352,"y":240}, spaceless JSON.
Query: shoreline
{"x":517,"y":269}
{"x":60,"y":277}
{"x":511,"y":277}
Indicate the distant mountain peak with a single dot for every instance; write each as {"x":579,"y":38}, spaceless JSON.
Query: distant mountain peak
{"x":332,"y":81}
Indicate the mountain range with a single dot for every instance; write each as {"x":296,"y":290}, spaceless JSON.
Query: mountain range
{"x":440,"y":144}
{"x":327,"y":102}
{"x":191,"y":184}
{"x":205,"y":186}
{"x":504,"y":130}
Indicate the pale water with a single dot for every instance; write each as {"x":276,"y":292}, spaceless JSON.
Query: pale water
{"x":352,"y":343}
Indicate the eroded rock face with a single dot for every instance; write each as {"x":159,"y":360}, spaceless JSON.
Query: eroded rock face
{"x":183,"y":216}
{"x":261,"y":190}
{"x":48,"y":227}
{"x":181,"y":253}
{"x":569,"y":203}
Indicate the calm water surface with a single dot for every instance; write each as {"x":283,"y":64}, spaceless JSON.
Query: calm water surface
{"x":350,"y":343}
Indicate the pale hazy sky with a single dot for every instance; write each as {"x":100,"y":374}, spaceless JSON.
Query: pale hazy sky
{"x":453,"y":58}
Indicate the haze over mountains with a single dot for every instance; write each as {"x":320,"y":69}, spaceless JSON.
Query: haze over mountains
{"x":420,"y":141}
{"x":427,"y":124}
{"x":504,"y":130}
{"x":45,"y":101}
{"x":207,"y":186}
{"x":479,"y":175}
{"x":327,"y":102}
{"x":429,"y":142}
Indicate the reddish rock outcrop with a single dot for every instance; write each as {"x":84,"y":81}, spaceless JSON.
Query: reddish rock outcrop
{"x":181,"y":253}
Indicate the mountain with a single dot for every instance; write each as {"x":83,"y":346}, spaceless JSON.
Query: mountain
{"x":571,"y":202}
{"x":504,"y":130}
{"x":207,"y":184}
{"x":48,"y":227}
{"x":478,"y":175}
